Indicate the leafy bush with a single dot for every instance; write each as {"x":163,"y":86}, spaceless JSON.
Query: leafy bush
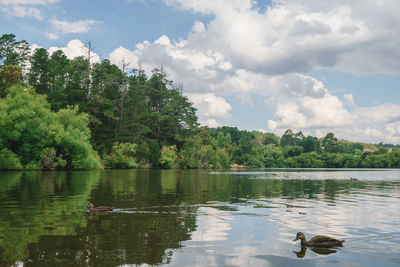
{"x":9,"y":160}
{"x":122,"y":156}
{"x":223,"y":159}
{"x":168,"y":157}
{"x":29,"y":129}
{"x":49,"y":159}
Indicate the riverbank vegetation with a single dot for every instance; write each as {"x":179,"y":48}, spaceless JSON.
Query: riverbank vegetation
{"x":60,"y":113}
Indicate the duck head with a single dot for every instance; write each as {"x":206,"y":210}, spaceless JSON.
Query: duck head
{"x":90,"y":206}
{"x":299,"y":235}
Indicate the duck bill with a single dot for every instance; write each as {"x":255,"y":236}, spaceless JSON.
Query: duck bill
{"x":296,"y":239}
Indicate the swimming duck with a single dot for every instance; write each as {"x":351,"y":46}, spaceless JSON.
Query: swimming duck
{"x":319,"y":241}
{"x":99,"y":208}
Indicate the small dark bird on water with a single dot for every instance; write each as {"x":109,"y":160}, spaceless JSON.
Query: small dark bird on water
{"x":99,"y":208}
{"x":319,"y":241}
{"x":353,"y":179}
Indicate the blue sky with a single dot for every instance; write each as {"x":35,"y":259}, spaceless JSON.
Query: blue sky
{"x":258,"y":65}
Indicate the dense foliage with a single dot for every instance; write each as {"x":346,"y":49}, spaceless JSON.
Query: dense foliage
{"x":34,"y":137}
{"x":54,"y":110}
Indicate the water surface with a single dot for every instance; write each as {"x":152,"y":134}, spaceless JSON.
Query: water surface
{"x":199,"y":218}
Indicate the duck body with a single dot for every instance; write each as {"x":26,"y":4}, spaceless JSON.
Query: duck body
{"x":319,"y":241}
{"x":99,"y":208}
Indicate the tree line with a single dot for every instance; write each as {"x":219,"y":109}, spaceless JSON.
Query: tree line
{"x":60,"y":113}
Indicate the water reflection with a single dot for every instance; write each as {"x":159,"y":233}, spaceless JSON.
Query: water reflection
{"x":320,"y":251}
{"x":196,"y":218}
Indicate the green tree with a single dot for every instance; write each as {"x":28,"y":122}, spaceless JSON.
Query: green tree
{"x":309,"y":160}
{"x":222,"y":159}
{"x":242,"y":152}
{"x":9,"y":160}
{"x":39,"y":72}
{"x":289,"y":138}
{"x":169,"y":155}
{"x":270,"y":138}
{"x":394,"y":158}
{"x":330,"y":143}
{"x":9,"y":76}
{"x":103,"y":104}
{"x":310,"y":144}
{"x":122,"y":156}
{"x":292,"y":151}
{"x":13,"y":52}
{"x":28,"y":126}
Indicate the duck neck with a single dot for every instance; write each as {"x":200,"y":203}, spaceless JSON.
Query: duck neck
{"x":303,"y":241}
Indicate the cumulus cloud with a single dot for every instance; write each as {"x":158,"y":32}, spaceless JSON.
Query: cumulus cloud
{"x":24,"y":8}
{"x":123,"y":55}
{"x":75,"y":48}
{"x":79,"y":26}
{"x":249,"y":53}
{"x":373,"y":124}
{"x":290,"y":36}
{"x":23,"y":11}
{"x":349,"y":100}
{"x":210,"y":108}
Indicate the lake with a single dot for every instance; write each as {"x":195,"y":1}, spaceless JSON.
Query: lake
{"x":199,"y":217}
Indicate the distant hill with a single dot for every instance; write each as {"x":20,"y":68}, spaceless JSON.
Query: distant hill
{"x":367,"y":147}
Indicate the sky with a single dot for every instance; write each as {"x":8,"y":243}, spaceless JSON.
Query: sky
{"x":312,"y":66}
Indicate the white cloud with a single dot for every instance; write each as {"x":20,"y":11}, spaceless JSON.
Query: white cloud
{"x":246,"y":53}
{"x":349,"y":100}
{"x":123,"y":55}
{"x":52,"y":36}
{"x":80,"y":26}
{"x":297,"y":37}
{"x":22,"y":11}
{"x":210,"y":108}
{"x":75,"y":48}
{"x":24,"y":8}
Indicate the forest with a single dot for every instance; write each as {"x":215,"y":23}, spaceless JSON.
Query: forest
{"x":59,"y":113}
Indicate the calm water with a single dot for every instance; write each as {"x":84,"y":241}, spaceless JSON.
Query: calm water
{"x":199,"y":218}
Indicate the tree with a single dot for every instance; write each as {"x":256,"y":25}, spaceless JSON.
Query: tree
{"x":29,"y":130}
{"x":330,"y":143}
{"x":309,"y":160}
{"x":173,"y":117}
{"x":244,"y":149}
{"x":310,"y":144}
{"x":292,"y":151}
{"x":224,"y":141}
{"x":169,"y":155}
{"x":103,"y":106}
{"x":122,"y":156}
{"x":289,"y":138}
{"x":9,"y":76}
{"x":234,"y":132}
{"x":270,"y":138}
{"x":222,"y":159}
{"x":13,"y":52}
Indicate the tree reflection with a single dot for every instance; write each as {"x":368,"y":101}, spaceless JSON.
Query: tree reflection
{"x":116,"y":238}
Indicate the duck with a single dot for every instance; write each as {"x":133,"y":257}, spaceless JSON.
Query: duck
{"x":353,"y":179}
{"x":99,"y":208}
{"x":319,"y":241}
